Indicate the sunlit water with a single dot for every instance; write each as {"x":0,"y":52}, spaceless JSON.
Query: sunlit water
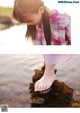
{"x":14,"y":36}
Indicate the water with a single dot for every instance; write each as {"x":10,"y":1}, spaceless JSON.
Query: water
{"x":8,"y":36}
{"x":17,"y":89}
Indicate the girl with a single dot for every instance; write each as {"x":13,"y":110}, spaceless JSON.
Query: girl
{"x":44,"y":27}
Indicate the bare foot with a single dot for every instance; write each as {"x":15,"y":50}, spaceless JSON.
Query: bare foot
{"x":46,"y":81}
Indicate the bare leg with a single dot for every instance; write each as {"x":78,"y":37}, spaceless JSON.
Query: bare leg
{"x":48,"y":78}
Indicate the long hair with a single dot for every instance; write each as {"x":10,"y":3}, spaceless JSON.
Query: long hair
{"x":46,"y":27}
{"x":31,"y":29}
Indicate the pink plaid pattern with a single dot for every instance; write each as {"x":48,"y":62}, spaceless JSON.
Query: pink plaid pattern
{"x":60,"y":27}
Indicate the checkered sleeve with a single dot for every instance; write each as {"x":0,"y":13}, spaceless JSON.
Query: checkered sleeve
{"x":65,"y":25}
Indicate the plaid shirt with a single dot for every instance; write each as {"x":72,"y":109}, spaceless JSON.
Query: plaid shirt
{"x":60,"y":29}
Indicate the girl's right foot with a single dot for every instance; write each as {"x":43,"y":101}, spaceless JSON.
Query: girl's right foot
{"x":47,"y":79}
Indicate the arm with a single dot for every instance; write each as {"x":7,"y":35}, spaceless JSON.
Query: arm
{"x":68,"y":33}
{"x":65,"y":22}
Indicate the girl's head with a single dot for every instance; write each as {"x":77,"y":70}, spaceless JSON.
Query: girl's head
{"x":28,"y":11}
{"x":32,"y":12}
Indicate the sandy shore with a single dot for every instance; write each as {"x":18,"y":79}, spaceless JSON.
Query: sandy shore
{"x":16,"y":73}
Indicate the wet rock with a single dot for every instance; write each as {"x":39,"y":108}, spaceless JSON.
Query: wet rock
{"x":56,"y":97}
{"x":37,"y":100}
{"x":60,"y":94}
{"x":6,"y":22}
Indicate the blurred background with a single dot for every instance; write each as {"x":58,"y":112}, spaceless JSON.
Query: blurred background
{"x":12,"y":34}
{"x":6,"y":10}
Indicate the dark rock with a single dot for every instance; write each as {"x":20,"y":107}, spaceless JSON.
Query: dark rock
{"x":38,"y":100}
{"x":60,"y":94}
{"x":6,"y":20}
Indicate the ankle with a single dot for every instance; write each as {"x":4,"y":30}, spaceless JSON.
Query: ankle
{"x":49,"y":72}
{"x":49,"y":68}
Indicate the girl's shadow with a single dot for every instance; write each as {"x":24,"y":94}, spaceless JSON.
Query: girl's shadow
{"x":60,"y":94}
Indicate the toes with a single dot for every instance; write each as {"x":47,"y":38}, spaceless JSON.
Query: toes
{"x":44,"y":88}
{"x":36,"y":86}
{"x":39,"y":88}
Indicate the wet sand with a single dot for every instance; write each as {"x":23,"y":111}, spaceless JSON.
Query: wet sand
{"x":16,"y":73}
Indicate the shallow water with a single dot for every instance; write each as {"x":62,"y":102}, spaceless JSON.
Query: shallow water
{"x":16,"y":73}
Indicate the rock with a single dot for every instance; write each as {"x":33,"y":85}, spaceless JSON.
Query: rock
{"x":38,"y":100}
{"x":60,"y":94}
{"x":6,"y":22}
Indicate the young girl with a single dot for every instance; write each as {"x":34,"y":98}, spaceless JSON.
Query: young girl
{"x":44,"y":27}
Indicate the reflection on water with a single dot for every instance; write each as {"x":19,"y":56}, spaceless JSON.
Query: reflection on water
{"x":17,"y":87}
{"x":14,"y":94}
